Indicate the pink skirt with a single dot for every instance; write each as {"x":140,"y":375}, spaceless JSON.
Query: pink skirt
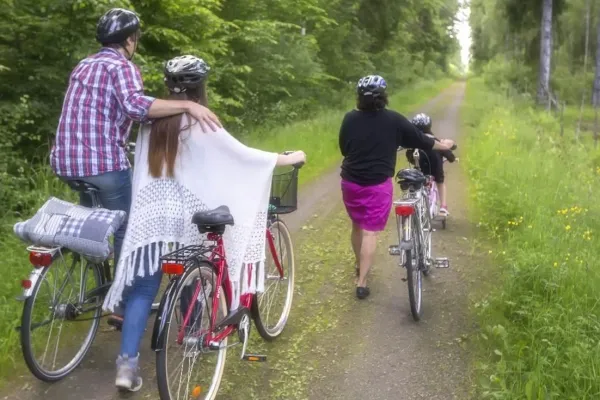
{"x":368,"y":206}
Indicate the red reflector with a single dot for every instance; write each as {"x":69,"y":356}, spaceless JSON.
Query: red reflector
{"x":404,"y":211}
{"x":26,"y":284}
{"x":40,"y":260}
{"x":172,"y":268}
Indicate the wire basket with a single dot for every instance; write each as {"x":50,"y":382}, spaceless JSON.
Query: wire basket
{"x":284,"y":192}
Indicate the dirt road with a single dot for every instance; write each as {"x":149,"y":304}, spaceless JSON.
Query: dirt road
{"x":369,"y":349}
{"x":394,"y":357}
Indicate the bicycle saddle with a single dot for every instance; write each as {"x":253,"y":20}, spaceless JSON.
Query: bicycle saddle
{"x":81,"y":186}
{"x":213,"y":220}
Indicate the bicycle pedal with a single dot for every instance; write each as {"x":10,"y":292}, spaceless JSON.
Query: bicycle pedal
{"x":394,"y":250}
{"x":442,"y":262}
{"x":255,"y":357}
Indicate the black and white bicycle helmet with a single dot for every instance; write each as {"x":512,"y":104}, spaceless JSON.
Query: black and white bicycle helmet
{"x":185,"y":72}
{"x":423,"y":122}
{"x":371,"y":85}
{"x":116,"y":25}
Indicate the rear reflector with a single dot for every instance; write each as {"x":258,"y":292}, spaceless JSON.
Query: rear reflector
{"x":172,"y":268}
{"x":40,"y":260}
{"x":26,"y":284}
{"x":404,"y":210}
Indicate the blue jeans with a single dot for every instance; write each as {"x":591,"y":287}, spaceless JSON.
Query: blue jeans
{"x":139,"y":296}
{"x":114,"y":194}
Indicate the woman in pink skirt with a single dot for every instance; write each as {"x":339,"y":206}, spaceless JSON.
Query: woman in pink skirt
{"x":369,"y":139}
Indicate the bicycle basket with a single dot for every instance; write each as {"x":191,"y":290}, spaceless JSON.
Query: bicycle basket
{"x":284,"y":192}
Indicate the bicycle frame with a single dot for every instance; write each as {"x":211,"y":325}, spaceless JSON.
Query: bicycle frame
{"x":430,"y":188}
{"x":218,"y":259}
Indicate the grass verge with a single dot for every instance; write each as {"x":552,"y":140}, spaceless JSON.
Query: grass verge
{"x":317,"y":137}
{"x":533,"y":195}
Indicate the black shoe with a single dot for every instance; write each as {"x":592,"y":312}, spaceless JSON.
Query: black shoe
{"x":362,"y":292}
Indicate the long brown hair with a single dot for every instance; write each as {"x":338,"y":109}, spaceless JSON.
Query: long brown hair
{"x":164,"y":135}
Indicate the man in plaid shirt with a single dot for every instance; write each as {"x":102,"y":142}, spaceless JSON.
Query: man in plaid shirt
{"x":104,"y":98}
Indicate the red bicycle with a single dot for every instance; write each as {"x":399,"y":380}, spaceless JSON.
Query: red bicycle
{"x":194,"y":324}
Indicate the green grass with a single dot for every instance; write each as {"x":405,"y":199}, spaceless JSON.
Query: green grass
{"x":534,"y":197}
{"x":318,"y":137}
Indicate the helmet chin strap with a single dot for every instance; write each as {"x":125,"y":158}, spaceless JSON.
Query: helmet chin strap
{"x":130,"y":55}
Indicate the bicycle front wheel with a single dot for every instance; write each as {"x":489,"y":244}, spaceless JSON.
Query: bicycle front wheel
{"x":271,"y":308}
{"x":187,"y":368}
{"x":60,"y":319}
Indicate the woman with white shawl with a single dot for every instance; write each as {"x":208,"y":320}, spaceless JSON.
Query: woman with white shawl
{"x":180,"y":170}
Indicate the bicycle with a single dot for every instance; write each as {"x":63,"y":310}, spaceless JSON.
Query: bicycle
{"x":431,"y":188}
{"x":413,"y":222}
{"x":57,"y":269}
{"x":193,"y":315}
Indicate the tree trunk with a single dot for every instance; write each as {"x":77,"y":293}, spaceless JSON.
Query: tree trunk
{"x":596,"y":96}
{"x":585,"y":62}
{"x":545,"y":54}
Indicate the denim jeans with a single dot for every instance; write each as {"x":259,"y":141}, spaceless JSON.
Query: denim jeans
{"x":114,"y":194}
{"x":140,"y":296}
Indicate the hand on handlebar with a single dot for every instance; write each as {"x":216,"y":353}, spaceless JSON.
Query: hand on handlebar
{"x":298,"y":157}
{"x":448,"y":144}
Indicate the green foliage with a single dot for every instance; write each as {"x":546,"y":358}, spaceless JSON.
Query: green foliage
{"x":507,"y":33}
{"x":273,"y":61}
{"x":533,"y":194}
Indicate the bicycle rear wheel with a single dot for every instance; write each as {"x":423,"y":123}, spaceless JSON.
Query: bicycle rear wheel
{"x":271,"y":308}
{"x":59,"y":307}
{"x":414,"y":280}
{"x":186,"y":368}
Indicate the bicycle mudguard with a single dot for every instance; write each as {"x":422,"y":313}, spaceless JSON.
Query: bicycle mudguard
{"x":160,"y":323}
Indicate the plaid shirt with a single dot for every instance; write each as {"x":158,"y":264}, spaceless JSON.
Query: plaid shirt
{"x":104,"y":97}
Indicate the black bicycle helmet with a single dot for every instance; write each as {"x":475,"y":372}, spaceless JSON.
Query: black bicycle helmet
{"x":423,"y":122}
{"x":185,"y":72}
{"x":410,"y":177}
{"x":371,"y":85}
{"x":116,"y":25}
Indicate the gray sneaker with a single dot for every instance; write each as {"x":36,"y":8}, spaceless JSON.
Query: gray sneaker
{"x":128,"y":374}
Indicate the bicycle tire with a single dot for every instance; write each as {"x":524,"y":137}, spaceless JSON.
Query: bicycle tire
{"x":415,"y":296}
{"x":288,"y":266}
{"x":428,"y":224}
{"x":206,"y":270}
{"x":25,"y":332}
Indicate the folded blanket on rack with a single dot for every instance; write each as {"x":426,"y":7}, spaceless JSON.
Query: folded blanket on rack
{"x":81,"y":229}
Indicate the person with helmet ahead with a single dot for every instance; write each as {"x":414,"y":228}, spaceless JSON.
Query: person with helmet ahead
{"x":433,"y":162}
{"x":104,"y":97}
{"x":369,"y":138}
{"x":172,"y":159}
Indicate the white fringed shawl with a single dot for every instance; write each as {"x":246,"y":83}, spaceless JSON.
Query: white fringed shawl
{"x":211,"y":169}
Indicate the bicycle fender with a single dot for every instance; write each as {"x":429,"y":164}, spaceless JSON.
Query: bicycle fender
{"x":160,"y":323}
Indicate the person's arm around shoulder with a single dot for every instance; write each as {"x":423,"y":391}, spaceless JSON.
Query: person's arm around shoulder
{"x":139,"y":107}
